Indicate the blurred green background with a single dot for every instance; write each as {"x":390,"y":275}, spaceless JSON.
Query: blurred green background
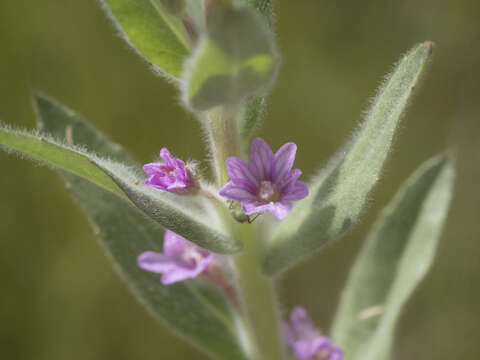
{"x":60,"y":298}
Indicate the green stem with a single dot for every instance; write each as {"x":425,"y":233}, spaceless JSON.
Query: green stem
{"x":223,"y":131}
{"x":258,"y":301}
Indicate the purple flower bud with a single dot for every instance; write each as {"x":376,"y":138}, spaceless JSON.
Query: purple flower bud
{"x":305,"y":341}
{"x":268,"y":183}
{"x":171,"y":175}
{"x":180,"y":259}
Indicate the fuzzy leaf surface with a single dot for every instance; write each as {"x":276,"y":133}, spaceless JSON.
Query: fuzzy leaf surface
{"x":235,"y":59}
{"x":153,"y":31}
{"x":61,"y":156}
{"x":188,"y":216}
{"x":196,"y":311}
{"x":396,"y":256}
{"x":340,"y":193}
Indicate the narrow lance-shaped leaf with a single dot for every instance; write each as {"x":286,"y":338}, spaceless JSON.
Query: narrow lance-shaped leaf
{"x":198,"y":312}
{"x":396,"y":256}
{"x":189,"y":216}
{"x":340,"y":193}
{"x":61,"y":156}
{"x":156,"y":33}
{"x":234,"y":60}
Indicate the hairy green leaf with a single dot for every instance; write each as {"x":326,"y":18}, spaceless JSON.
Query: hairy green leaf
{"x":340,"y":193}
{"x":61,"y":156}
{"x":230,"y":65}
{"x":196,"y":311}
{"x":189,"y":216}
{"x":396,"y":256}
{"x":153,"y":31}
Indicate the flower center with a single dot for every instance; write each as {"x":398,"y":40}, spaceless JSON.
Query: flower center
{"x":191,"y":256}
{"x":267,"y":192}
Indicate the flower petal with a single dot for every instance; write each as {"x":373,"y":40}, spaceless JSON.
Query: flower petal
{"x":173,"y":244}
{"x":253,"y":207}
{"x":178,"y":274}
{"x":237,"y":192}
{"x":278,"y":209}
{"x":261,"y":159}
{"x":283,"y":161}
{"x":297,"y":192}
{"x":238,"y":169}
{"x":302,"y":324}
{"x":155,"y":262}
{"x":303,"y":349}
{"x":288,"y":181}
{"x":167,"y":157}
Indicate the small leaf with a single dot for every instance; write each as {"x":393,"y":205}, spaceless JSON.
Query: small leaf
{"x":396,"y":256}
{"x":340,"y":193}
{"x":153,"y":31}
{"x":189,"y":216}
{"x":234,"y":60}
{"x":198,"y":312}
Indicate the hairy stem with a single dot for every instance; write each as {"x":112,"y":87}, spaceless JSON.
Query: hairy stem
{"x":257,"y":299}
{"x":223,"y":131}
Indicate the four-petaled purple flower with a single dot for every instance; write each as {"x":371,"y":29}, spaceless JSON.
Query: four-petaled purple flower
{"x":171,"y":175}
{"x":305,"y":341}
{"x":180,"y":259}
{"x":268,"y":183}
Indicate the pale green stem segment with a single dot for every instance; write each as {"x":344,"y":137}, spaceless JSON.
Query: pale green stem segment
{"x":258,"y":307}
{"x":222,"y":127}
{"x":258,"y":300}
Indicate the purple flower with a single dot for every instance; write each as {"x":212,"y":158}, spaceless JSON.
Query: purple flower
{"x":180,"y":259}
{"x":305,"y":340}
{"x":268,"y":183}
{"x":171,"y":175}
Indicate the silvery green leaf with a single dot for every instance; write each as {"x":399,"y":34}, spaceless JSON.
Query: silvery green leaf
{"x":339,"y":194}
{"x":234,"y":60}
{"x":48,"y":151}
{"x":153,"y":31}
{"x":190,"y":216}
{"x":396,"y":256}
{"x":196,"y":311}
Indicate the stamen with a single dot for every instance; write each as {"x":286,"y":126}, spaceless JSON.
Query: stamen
{"x":267,"y":192}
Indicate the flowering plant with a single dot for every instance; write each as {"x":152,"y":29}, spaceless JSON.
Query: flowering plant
{"x":219,"y":245}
